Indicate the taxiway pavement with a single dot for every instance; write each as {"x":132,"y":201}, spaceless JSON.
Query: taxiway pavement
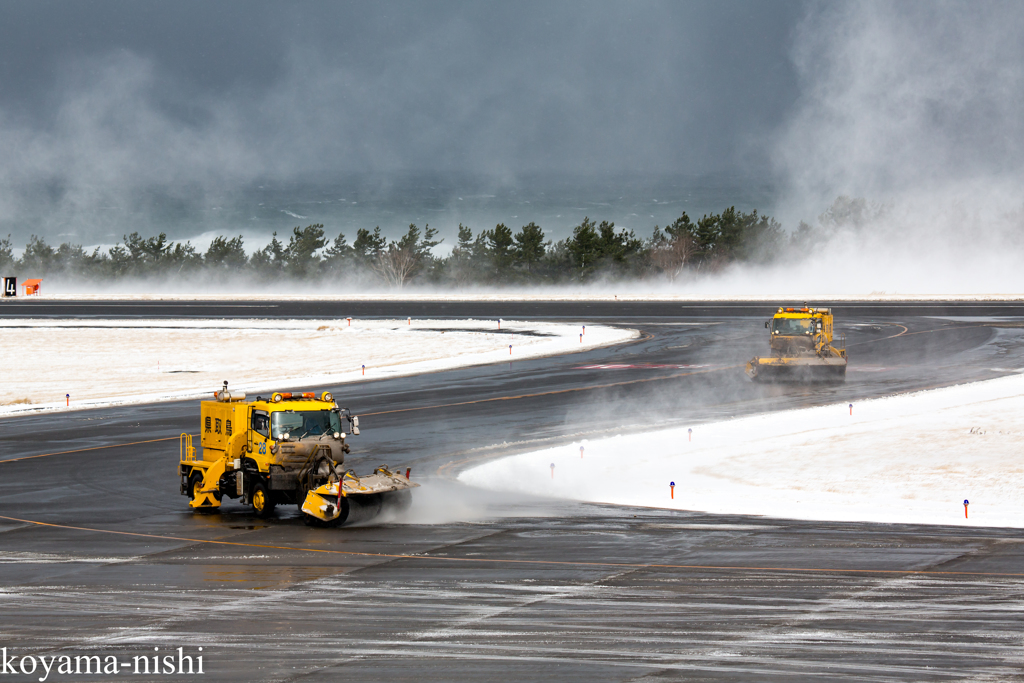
{"x":99,"y":554}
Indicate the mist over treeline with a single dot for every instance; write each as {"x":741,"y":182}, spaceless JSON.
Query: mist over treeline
{"x":684,"y":252}
{"x":685,"y":249}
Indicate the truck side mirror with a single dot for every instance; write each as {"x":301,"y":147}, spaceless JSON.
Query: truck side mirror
{"x":766,"y":325}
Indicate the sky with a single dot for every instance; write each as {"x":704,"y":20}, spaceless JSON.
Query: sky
{"x":104,"y":101}
{"x":502,"y":88}
{"x":119,"y":115}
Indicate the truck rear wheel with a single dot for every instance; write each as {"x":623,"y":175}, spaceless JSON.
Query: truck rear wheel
{"x":261,"y":500}
{"x":195,"y":483}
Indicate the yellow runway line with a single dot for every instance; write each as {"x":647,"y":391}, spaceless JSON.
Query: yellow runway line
{"x":94,"y":448}
{"x":556,"y":563}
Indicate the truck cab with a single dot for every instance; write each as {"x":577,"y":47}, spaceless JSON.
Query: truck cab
{"x":800,"y":331}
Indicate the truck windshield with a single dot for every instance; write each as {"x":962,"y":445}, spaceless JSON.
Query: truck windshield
{"x":297,"y":423}
{"x":791,"y":326}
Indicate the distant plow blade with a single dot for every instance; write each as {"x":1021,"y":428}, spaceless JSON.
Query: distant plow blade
{"x":799,"y":370}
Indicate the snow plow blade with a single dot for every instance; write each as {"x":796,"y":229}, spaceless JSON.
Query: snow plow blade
{"x":326,"y":505}
{"x":812,"y":369}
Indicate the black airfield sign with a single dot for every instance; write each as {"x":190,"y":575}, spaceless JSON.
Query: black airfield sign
{"x":10,"y":286}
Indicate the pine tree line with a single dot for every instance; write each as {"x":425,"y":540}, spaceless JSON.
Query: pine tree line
{"x":497,"y":256}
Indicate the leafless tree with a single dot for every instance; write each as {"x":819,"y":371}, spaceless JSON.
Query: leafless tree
{"x":672,"y":255}
{"x":396,"y":264}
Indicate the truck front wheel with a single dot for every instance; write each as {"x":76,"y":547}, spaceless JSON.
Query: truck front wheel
{"x":261,"y":501}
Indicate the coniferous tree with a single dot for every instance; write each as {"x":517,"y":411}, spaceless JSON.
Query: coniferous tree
{"x":39,"y":258}
{"x":338,"y":257}
{"x":301,"y":257}
{"x":463,"y":265}
{"x":6,"y":257}
{"x":225,"y":254}
{"x":368,"y":245}
{"x":180,"y":259}
{"x":269,"y":262}
{"x":530,"y":246}
{"x":501,"y":252}
{"x":593,"y":247}
{"x":583,"y":247}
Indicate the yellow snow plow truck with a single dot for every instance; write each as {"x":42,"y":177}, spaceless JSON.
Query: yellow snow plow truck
{"x":286,"y":449}
{"x":801,"y":348}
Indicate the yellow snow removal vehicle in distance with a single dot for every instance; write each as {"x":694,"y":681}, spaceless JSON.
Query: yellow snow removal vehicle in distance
{"x":801,"y":348}
{"x":286,"y":449}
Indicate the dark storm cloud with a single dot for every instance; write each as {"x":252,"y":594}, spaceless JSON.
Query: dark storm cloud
{"x":139,"y":92}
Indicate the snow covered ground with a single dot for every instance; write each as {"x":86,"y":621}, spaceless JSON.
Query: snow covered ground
{"x":109,"y":362}
{"x":911,"y":458}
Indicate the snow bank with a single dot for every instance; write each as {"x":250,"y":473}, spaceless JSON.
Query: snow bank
{"x":110,"y":362}
{"x":910,"y":459}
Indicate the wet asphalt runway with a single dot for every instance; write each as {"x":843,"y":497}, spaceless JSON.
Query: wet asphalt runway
{"x":107,"y":559}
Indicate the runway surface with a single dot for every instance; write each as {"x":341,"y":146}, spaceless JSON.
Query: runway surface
{"x":99,"y":554}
